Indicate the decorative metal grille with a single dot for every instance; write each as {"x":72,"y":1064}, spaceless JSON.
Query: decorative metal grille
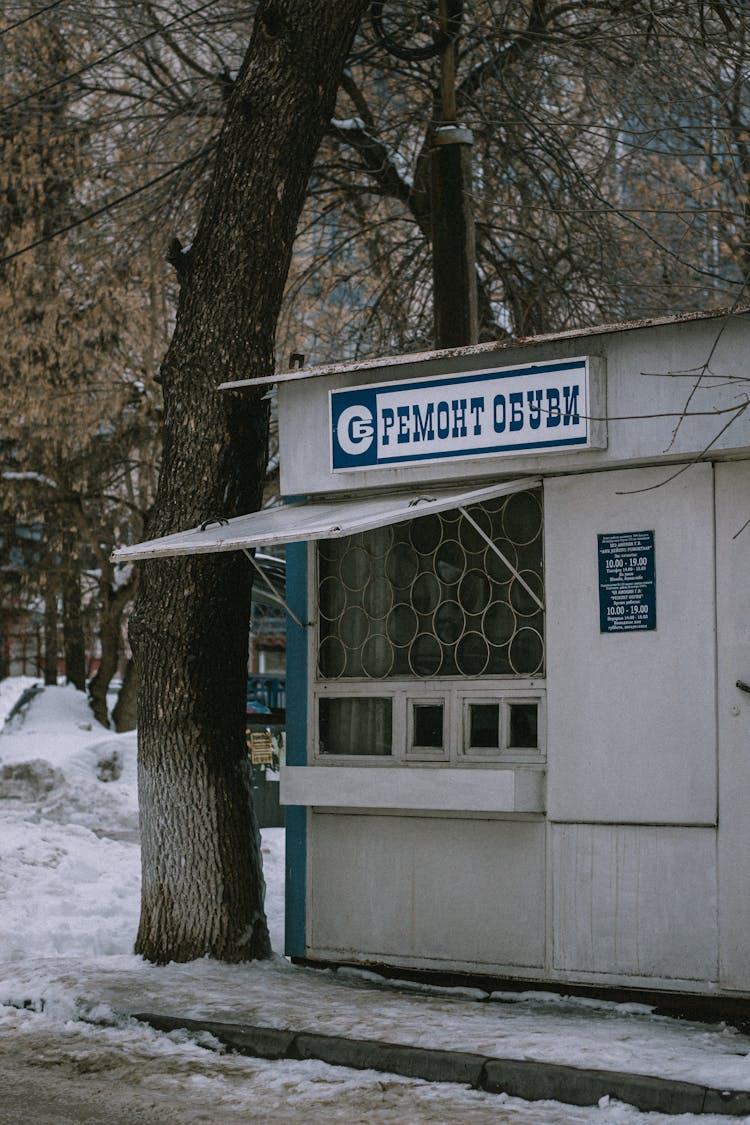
{"x":431,"y":597}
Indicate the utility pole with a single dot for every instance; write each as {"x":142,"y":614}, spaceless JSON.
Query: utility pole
{"x":452,"y":215}
{"x":453,"y":241}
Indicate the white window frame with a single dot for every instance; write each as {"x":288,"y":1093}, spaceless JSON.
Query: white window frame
{"x":455,"y":691}
{"x":456,"y":696}
{"x":505,"y":695}
{"x":428,"y":753}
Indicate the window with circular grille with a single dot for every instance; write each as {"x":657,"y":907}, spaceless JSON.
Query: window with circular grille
{"x":433,"y":597}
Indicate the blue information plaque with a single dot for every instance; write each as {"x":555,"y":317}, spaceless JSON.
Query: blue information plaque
{"x":627,"y":582}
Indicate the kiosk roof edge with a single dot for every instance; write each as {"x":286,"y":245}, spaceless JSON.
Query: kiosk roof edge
{"x":477,"y":349}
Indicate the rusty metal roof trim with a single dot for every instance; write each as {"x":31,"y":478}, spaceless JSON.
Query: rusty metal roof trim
{"x":381,"y":362}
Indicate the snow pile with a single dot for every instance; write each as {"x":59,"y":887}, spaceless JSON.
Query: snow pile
{"x":69,"y":841}
{"x":69,"y":824}
{"x":56,"y":758}
{"x":75,"y":907}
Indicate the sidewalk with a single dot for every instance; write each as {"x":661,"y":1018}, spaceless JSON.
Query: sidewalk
{"x":531,"y":1045}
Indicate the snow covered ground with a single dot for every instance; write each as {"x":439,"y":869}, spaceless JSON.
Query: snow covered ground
{"x":69,"y":886}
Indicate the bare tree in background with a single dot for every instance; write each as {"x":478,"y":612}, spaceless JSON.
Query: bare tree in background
{"x":602,"y":134}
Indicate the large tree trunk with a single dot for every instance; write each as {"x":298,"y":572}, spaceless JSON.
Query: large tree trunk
{"x":202,"y":879}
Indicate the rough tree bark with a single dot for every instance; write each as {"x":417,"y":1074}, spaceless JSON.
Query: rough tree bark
{"x":51,"y":578}
{"x":74,"y":644}
{"x":125,"y":711}
{"x":50,"y":627}
{"x":202,"y":878}
{"x":113,"y":601}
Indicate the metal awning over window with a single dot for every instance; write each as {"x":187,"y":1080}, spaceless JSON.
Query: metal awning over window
{"x":309,"y":520}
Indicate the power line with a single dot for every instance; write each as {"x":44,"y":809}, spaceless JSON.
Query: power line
{"x":107,"y":206}
{"x":31,"y":16}
{"x":103,"y":58}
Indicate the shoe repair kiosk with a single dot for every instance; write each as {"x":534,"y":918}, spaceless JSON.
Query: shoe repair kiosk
{"x":518,"y":714}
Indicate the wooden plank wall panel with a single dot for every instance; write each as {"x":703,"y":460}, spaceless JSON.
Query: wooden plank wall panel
{"x":632,"y":900}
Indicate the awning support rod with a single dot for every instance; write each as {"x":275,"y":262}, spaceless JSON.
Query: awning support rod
{"x":273,"y":589}
{"x":502,"y":557}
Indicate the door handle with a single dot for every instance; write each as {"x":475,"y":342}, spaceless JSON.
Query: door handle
{"x":743,"y":686}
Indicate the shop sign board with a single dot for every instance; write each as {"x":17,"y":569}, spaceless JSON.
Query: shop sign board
{"x":627,"y":582}
{"x":535,"y":408}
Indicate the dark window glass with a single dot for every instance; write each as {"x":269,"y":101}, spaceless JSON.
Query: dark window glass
{"x":523,"y":726}
{"x":431,"y":597}
{"x":428,"y":724}
{"x":355,"y":725}
{"x":484,"y":726}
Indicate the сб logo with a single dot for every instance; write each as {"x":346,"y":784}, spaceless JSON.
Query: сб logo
{"x":355,"y":430}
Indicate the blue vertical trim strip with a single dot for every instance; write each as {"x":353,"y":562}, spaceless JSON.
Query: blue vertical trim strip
{"x":296,"y":748}
{"x":295,"y":818}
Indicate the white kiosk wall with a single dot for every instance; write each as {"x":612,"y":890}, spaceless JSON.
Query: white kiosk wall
{"x":606,"y":889}
{"x":632,"y":755}
{"x":432,"y":891}
{"x":632,"y":731}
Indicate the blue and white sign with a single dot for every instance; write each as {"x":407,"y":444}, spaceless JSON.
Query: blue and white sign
{"x":627,"y":582}
{"x":544,"y":406}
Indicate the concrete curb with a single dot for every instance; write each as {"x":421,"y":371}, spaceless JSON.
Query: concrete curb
{"x":521,"y":1078}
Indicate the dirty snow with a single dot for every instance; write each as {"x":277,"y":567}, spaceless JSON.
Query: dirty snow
{"x":69,"y":887}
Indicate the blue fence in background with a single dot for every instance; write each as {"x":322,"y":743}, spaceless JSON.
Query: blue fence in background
{"x":267,"y":691}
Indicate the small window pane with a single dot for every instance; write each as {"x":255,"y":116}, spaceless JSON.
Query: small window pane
{"x":484,"y":726}
{"x":428,"y":725}
{"x":355,"y":726}
{"x":523,"y":725}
